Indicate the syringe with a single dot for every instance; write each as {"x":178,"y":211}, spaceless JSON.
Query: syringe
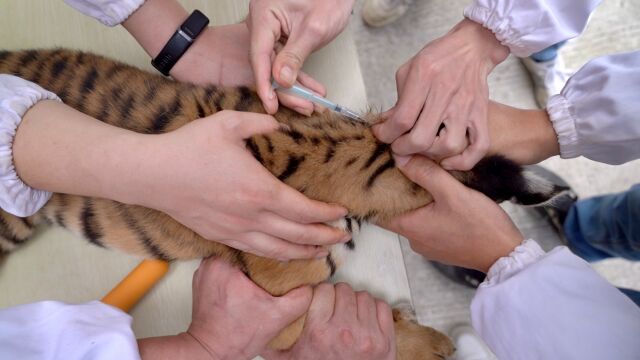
{"x":304,"y":93}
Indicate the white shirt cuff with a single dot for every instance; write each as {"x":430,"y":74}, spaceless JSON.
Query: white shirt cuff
{"x":17,"y":96}
{"x":524,"y":255}
{"x":503,"y":32}
{"x":526,"y":27}
{"x":108,"y":12}
{"x":564,"y":123}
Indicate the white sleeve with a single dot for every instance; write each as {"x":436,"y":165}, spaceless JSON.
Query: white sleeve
{"x":108,"y":12}
{"x":528,"y":26}
{"x":16,"y":97}
{"x":553,"y":306}
{"x":597,"y":114}
{"x":59,"y":331}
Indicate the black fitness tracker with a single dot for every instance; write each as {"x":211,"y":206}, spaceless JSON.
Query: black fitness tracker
{"x":180,"y":42}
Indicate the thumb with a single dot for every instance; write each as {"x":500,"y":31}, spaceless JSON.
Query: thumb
{"x":245,"y":125}
{"x":429,"y":175}
{"x":294,"y":304}
{"x":290,"y":59}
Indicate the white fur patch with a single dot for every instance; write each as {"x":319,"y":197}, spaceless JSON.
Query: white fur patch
{"x":540,"y":185}
{"x":340,"y":252}
{"x":537,"y":184}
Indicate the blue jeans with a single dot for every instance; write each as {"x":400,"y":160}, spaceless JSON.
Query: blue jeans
{"x":606,"y":226}
{"x":549,"y":53}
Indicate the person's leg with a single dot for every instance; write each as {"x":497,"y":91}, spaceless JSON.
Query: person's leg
{"x":605,"y":226}
{"x":378,"y":13}
{"x":548,"y":54}
{"x":547,"y":72}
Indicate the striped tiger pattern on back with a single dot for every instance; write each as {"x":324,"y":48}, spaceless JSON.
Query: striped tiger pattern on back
{"x":325,"y":156}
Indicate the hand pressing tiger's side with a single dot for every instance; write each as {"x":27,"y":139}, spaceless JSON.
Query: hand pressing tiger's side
{"x":326,"y":157}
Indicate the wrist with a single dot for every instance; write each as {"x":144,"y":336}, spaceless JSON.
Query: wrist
{"x":485,"y":43}
{"x":500,"y":250}
{"x":205,"y":53}
{"x":122,"y":174}
{"x":524,"y":136}
{"x":153,"y":24}
{"x":181,"y":346}
{"x":206,"y":342}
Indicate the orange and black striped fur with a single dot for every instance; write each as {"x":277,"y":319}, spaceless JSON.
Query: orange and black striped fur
{"x":326,"y":157}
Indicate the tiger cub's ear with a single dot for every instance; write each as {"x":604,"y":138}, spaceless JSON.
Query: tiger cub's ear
{"x":502,"y":179}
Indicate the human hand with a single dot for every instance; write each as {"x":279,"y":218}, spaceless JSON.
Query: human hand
{"x":220,"y":56}
{"x":204,"y":177}
{"x":303,"y":27}
{"x":232,"y":317}
{"x":445,"y":83}
{"x":343,"y":324}
{"x":461,"y":227}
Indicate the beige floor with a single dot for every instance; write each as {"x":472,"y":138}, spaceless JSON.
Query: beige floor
{"x":613,"y":28}
{"x":57,"y":265}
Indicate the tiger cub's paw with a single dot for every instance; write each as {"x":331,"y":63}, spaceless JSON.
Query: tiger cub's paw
{"x":417,"y":342}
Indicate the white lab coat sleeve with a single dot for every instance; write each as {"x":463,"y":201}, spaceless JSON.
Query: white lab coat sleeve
{"x":528,"y":26}
{"x":108,"y":12}
{"x":54,"y":330}
{"x":597,"y":114}
{"x":553,"y":306}
{"x":16,"y":97}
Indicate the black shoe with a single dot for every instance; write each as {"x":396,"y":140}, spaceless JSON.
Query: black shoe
{"x":460,"y":275}
{"x":557,"y":210}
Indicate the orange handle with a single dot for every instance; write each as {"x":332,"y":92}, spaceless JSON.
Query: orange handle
{"x":137,"y":284}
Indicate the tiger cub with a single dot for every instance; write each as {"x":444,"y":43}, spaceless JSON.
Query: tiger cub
{"x":326,"y":157}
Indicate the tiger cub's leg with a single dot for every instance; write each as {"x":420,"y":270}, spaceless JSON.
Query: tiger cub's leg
{"x":278,"y":278}
{"x":14,"y":231}
{"x":414,"y":341}
{"x":417,"y":342}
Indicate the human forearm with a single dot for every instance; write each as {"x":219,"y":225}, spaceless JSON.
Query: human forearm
{"x":181,"y":346}
{"x":524,"y":136}
{"x":59,"y":149}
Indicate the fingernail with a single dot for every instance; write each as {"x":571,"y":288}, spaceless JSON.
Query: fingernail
{"x":286,"y":75}
{"x":322,"y":255}
{"x":346,"y":238}
{"x":401,"y":160}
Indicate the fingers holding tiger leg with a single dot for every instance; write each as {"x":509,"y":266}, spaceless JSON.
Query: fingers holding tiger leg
{"x":333,"y":330}
{"x":299,"y":233}
{"x":226,"y":302}
{"x":275,"y":248}
{"x":293,"y":205}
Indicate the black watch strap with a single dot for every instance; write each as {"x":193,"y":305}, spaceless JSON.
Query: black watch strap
{"x":180,"y":42}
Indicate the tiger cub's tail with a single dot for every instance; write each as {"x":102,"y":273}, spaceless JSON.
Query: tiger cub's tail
{"x":502,"y":179}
